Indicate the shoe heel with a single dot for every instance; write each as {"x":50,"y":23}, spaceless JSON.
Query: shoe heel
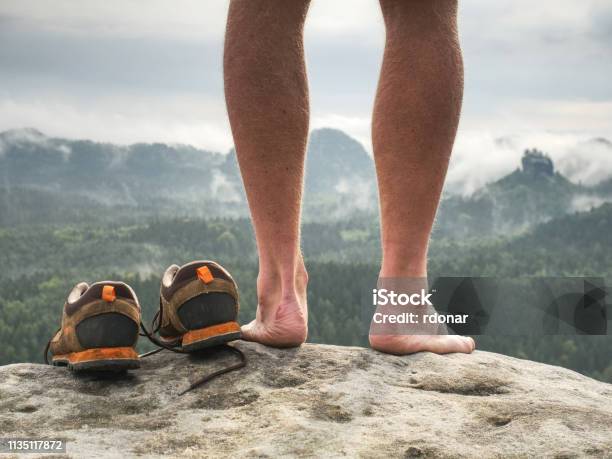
{"x":100,"y":359}
{"x":210,"y":336}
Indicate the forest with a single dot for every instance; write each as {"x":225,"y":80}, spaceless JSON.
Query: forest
{"x":42,"y":262}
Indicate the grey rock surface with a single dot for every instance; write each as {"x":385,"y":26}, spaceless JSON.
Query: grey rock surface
{"x":315,"y":401}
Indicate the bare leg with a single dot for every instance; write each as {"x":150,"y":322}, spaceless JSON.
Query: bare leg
{"x":267,"y":100}
{"x":414,"y":124}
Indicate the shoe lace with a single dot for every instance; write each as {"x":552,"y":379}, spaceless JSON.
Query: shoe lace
{"x":46,"y":351}
{"x":156,"y":326}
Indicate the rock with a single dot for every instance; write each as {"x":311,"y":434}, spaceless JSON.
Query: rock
{"x":535,"y":163}
{"x":314,"y":401}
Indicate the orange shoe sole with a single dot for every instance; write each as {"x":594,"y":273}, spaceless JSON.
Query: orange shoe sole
{"x":99,"y":359}
{"x":211,"y":336}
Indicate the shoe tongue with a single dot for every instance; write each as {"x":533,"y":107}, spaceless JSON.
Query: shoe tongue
{"x":189,"y":271}
{"x":203,"y":270}
{"x":109,"y":290}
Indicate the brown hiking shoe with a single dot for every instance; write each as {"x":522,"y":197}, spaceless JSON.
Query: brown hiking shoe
{"x":199,"y":307}
{"x":99,"y":329}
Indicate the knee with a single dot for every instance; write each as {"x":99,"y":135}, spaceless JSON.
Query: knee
{"x":419,"y":16}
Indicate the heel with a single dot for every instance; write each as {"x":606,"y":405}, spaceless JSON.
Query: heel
{"x":100,"y":359}
{"x":214,"y":335}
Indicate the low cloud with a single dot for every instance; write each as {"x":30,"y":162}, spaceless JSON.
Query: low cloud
{"x":222,"y":189}
{"x":585,"y":202}
{"x":482,"y":157}
{"x":123,"y":119}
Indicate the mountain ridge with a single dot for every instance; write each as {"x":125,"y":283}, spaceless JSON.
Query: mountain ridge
{"x":82,"y":176}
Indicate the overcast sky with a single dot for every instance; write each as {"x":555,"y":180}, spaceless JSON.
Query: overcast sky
{"x":127,"y":71}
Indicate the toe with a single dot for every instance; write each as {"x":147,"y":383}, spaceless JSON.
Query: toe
{"x":468,"y":344}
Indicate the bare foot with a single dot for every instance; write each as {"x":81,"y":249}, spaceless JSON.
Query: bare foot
{"x":282,"y":314}
{"x":402,"y":339}
{"x":285,"y":327}
{"x":409,"y":344}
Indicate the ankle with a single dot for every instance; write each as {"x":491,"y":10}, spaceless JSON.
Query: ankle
{"x":402,"y":260}
{"x":404,"y":269}
{"x":282,"y":283}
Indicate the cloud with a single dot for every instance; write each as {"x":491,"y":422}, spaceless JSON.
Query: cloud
{"x":536,"y":22}
{"x":480,"y":157}
{"x":123,"y":119}
{"x":176,"y":19}
{"x":591,"y":117}
{"x":222,"y":189}
{"x":568,"y":115}
{"x":583,"y":203}
{"x":345,"y":18}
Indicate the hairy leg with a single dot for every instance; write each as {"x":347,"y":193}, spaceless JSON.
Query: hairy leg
{"x":415,"y":120}
{"x":267,"y":100}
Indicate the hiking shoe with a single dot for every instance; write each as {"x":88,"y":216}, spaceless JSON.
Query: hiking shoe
{"x":99,"y":329}
{"x":198,"y":308}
